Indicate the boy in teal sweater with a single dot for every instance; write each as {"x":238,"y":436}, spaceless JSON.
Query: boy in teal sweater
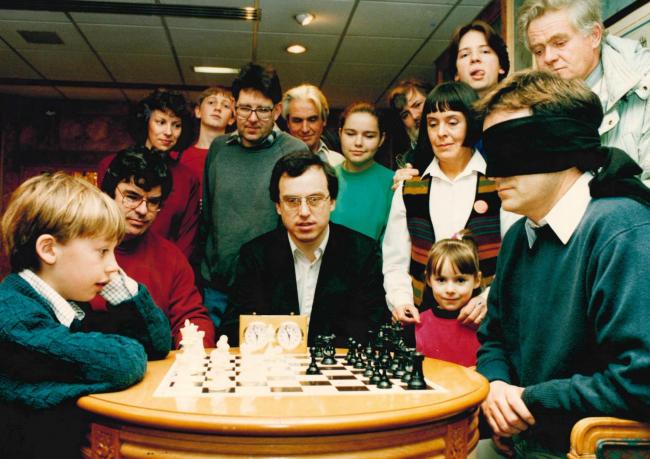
{"x":59,"y":233}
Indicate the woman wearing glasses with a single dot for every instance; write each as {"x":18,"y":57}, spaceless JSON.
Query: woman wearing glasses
{"x":162,"y":122}
{"x":364,"y":186}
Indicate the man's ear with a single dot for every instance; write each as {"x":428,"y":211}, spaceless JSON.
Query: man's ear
{"x":46,"y":248}
{"x":277,"y":208}
{"x":277,"y":111}
{"x":197,"y":112}
{"x":596,"y":36}
{"x":457,"y":77}
{"x":381,"y":140}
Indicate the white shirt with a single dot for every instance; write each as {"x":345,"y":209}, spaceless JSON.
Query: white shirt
{"x":307,"y":273}
{"x":64,"y":310}
{"x":451,"y":198}
{"x":566,"y":214}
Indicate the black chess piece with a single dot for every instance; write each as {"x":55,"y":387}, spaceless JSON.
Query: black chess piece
{"x":401,"y":363}
{"x":376,"y":372}
{"x":351,"y":357}
{"x":417,"y":381}
{"x":313,"y":369}
{"x":328,"y":350}
{"x":359,"y":353}
{"x":318,"y":346}
{"x":408,"y":364}
{"x":384,"y":382}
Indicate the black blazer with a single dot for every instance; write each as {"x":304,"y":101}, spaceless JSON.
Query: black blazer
{"x":349,"y":297}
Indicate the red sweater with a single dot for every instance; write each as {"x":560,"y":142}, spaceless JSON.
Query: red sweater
{"x":194,"y":159}
{"x":446,"y":339}
{"x":162,"y":268}
{"x":179,"y":218}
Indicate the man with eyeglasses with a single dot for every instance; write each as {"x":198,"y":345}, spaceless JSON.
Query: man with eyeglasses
{"x":237,"y":170}
{"x":308,"y":265}
{"x":139,"y":180}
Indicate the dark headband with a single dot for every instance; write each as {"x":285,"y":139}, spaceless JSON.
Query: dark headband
{"x":540,"y":144}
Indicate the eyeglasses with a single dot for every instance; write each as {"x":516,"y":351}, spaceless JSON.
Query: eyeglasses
{"x":314,"y":201}
{"x":132,"y":200}
{"x":263,"y":113}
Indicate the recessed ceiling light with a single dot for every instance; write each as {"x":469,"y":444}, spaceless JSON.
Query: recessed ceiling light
{"x":296,"y":49}
{"x":304,"y":18}
{"x":221,"y":70}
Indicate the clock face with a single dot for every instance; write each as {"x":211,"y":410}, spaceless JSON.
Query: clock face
{"x":289,"y":335}
{"x":256,"y":334}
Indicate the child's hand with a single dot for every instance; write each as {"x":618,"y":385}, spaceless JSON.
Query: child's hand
{"x":407,"y":314}
{"x":473,"y":313}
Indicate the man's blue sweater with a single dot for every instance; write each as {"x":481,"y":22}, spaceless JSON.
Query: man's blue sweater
{"x":569,"y":323}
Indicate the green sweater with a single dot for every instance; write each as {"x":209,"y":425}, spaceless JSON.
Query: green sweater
{"x":236,"y":202}
{"x":364,"y":199}
{"x":45,"y":366}
{"x":569,"y":323}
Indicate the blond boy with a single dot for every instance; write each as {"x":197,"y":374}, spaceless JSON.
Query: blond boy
{"x":59,"y":233}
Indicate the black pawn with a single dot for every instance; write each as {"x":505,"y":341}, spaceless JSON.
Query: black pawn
{"x":384,"y":382}
{"x":350,"y":357}
{"x":417,"y":381}
{"x":313,"y":369}
{"x":376,"y":373}
{"x":359,"y":363}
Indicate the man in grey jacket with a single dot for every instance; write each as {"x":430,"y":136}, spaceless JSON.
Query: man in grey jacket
{"x":567,"y":37}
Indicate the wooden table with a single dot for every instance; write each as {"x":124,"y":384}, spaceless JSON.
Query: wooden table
{"x":133,"y":424}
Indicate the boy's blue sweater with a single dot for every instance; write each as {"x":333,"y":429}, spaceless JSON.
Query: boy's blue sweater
{"x":44,"y":363}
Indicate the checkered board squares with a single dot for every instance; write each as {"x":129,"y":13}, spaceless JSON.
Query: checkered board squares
{"x":284,"y":375}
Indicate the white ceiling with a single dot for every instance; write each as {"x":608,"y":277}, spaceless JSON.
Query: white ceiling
{"x":357,"y":49}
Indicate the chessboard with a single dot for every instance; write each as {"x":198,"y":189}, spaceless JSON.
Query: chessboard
{"x":231,"y":375}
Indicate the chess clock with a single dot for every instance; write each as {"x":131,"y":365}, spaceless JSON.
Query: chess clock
{"x":289,"y":332}
{"x":256,"y":335}
{"x":289,"y":335}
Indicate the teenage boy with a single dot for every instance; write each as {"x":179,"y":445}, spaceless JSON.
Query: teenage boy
{"x":565,"y":334}
{"x":59,"y":233}
{"x":215,"y":111}
{"x":237,"y":171}
{"x":139,"y":181}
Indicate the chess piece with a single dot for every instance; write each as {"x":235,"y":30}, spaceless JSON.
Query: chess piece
{"x":329,"y":351}
{"x":384,"y":382}
{"x":359,"y":353}
{"x":417,"y":381}
{"x":350,"y":357}
{"x":313,"y":369}
{"x":317,"y":350}
{"x":376,"y":371}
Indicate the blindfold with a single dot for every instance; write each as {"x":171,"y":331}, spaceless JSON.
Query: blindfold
{"x":539,"y":144}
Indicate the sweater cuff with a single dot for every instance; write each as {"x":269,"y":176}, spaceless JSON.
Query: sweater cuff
{"x":543,"y":395}
{"x":494,"y":370}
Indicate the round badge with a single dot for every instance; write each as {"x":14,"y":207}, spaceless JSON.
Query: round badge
{"x":480,"y":206}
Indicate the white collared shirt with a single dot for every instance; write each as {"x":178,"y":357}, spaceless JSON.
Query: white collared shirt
{"x":333,"y":158}
{"x":566,"y":214}
{"x":64,"y":310}
{"x":450,"y":205}
{"x":307,"y":273}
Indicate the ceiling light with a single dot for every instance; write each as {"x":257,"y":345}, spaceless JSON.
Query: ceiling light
{"x":304,"y":18}
{"x":221,"y":70}
{"x":296,"y":49}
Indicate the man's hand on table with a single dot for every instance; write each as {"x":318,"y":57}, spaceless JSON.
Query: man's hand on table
{"x":505,"y":410}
